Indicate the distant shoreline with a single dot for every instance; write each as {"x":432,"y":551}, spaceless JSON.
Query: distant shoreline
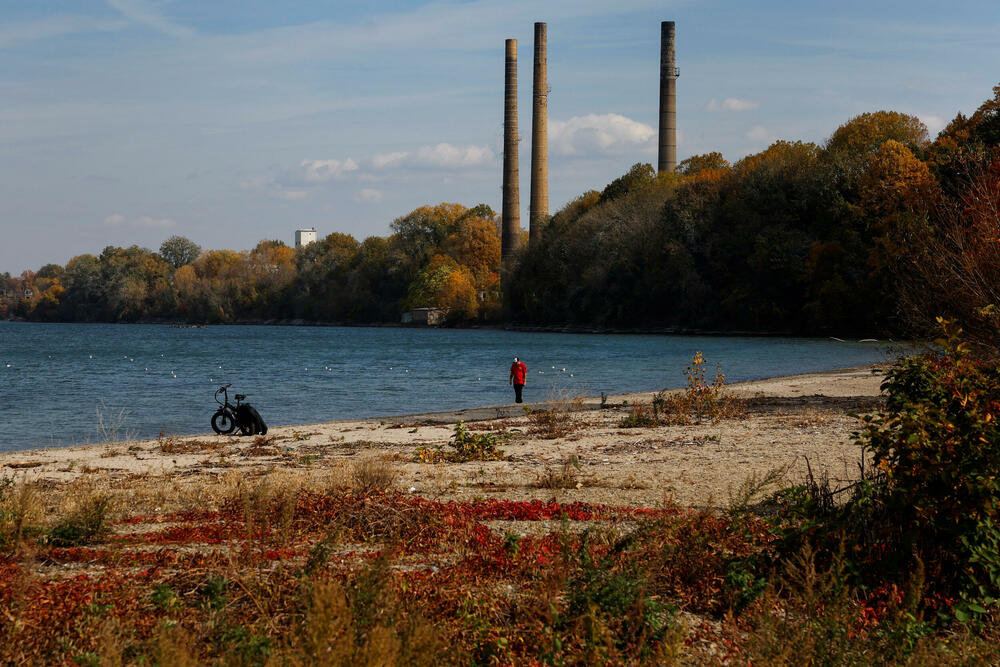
{"x":519,"y":327}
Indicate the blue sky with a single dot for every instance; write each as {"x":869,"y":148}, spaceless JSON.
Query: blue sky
{"x":127,"y":121}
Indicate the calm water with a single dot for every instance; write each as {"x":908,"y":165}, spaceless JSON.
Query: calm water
{"x":55,"y":378}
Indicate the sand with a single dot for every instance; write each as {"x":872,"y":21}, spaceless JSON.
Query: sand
{"x":792,"y":424}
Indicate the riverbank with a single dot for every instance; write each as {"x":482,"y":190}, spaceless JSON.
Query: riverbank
{"x":791,"y":424}
{"x":567,"y":328}
{"x":209,"y":547}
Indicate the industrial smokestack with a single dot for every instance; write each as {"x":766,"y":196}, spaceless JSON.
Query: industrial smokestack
{"x":538,"y":211}
{"x":668,"y":100}
{"x":510,"y":216}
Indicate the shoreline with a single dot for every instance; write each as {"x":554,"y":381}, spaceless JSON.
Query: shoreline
{"x":589,"y":329}
{"x":794,"y":423}
{"x":480,"y":412}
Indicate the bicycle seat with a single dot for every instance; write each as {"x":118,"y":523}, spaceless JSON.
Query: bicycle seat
{"x":240,"y":397}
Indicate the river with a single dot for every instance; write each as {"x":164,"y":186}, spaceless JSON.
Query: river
{"x":60,"y":383}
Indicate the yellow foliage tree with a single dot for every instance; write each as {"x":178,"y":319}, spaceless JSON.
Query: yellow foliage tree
{"x":475,"y":245}
{"x":895,"y":180}
{"x":216,"y":264}
{"x":458,"y":295}
{"x":186,"y":281}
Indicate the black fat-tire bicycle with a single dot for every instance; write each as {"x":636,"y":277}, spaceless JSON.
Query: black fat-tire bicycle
{"x":229,"y":417}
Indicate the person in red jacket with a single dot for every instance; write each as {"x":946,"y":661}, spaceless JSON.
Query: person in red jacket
{"x":518,"y":372}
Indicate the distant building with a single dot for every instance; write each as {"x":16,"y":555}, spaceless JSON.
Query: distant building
{"x":426,"y":316}
{"x":304,"y":237}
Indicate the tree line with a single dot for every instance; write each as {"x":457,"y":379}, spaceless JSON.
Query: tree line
{"x":877,"y":230}
{"x":445,"y":255}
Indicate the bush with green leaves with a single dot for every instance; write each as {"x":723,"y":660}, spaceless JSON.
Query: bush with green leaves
{"x":466,"y":446}
{"x":87,"y":523}
{"x":937,"y":444}
{"x":930,"y":501}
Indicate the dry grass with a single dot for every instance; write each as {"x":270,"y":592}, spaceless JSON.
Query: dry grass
{"x":550,"y":424}
{"x":373,"y":474}
{"x":565,"y":476}
{"x":173,"y":445}
{"x":20,"y":511}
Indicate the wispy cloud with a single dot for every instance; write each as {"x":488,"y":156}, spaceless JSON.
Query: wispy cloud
{"x":464,"y":25}
{"x":298,"y":182}
{"x":142,"y":222}
{"x":323,"y":171}
{"x":732,"y":104}
{"x":440,"y":156}
{"x":148,"y":14}
{"x":448,"y":156}
{"x":388,"y":160}
{"x":595,"y":134}
{"x":15,"y":34}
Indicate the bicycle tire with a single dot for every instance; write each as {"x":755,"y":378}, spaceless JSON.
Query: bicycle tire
{"x":223,"y":422}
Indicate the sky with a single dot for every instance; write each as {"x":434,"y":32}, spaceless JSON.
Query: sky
{"x":128,"y":121}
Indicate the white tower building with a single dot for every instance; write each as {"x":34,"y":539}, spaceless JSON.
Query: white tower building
{"x":305,"y":237}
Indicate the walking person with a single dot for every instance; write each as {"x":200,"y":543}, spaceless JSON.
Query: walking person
{"x":518,"y":373}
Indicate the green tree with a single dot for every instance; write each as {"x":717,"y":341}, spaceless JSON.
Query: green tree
{"x":641,"y":175}
{"x":178,"y":251}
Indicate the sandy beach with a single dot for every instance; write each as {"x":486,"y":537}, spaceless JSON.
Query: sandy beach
{"x":792,"y":424}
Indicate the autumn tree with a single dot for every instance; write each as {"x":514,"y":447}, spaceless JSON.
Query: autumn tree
{"x":475,"y":245}
{"x":699,"y":163}
{"x":862,"y":135}
{"x":852,"y":144}
{"x":895,"y":180}
{"x":954,"y":264}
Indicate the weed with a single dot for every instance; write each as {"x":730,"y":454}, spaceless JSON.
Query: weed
{"x":638,"y":417}
{"x":165,"y":598}
{"x":466,"y":446}
{"x":173,"y":445}
{"x":84,"y":524}
{"x":20,"y":512}
{"x":752,"y":487}
{"x":213,"y":592}
{"x":566,"y":476}
{"x":699,"y":400}
{"x":112,"y":424}
{"x":550,"y":424}
{"x":373,"y":474}
{"x":240,"y":646}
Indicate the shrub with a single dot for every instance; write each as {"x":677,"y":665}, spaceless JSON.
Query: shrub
{"x":933,"y":495}
{"x":638,"y":417}
{"x":373,"y":475}
{"x":937,"y":445}
{"x":564,"y":477}
{"x":467,"y":446}
{"x":19,"y":512}
{"x":700,"y":399}
{"x":550,"y":424}
{"x":87,"y":522}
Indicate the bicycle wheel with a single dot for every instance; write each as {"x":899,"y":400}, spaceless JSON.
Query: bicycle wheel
{"x":223,"y":422}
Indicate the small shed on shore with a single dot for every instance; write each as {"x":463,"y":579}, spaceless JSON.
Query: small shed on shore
{"x":425,"y":316}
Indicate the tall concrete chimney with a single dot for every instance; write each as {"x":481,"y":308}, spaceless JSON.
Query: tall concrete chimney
{"x":510,"y":236}
{"x":539,"y":208}
{"x":668,"y":100}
